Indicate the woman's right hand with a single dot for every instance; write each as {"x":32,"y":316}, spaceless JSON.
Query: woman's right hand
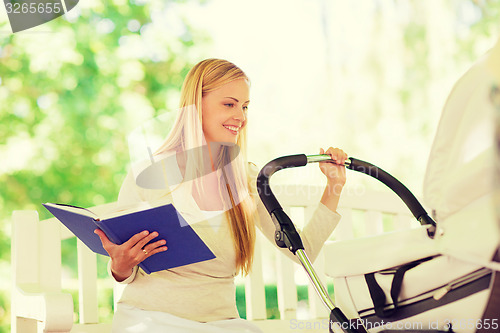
{"x":126,"y":256}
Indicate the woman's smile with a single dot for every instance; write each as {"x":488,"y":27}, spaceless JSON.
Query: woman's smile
{"x":233,"y":129}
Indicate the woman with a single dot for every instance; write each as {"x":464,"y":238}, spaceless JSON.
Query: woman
{"x":218,"y":183}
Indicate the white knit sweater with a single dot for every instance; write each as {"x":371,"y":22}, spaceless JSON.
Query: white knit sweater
{"x":205,"y":291}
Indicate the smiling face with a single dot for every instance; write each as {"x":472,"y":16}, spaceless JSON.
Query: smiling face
{"x":224,"y":111}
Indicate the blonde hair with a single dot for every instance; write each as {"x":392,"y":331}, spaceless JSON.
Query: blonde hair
{"x":187,"y":135}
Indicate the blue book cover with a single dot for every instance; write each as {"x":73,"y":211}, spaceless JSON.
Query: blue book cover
{"x":184,"y":245}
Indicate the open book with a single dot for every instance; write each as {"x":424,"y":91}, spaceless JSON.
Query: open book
{"x":184,"y":245}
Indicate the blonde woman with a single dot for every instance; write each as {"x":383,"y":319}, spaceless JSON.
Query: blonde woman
{"x":221,"y":188}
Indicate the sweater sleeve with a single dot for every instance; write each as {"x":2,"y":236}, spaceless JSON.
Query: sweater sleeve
{"x":313,"y":235}
{"x":127,"y":280}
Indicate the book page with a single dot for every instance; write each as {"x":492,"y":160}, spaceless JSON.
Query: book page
{"x":136,"y":207}
{"x":73,"y":209}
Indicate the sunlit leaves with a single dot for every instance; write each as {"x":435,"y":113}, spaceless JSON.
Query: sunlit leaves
{"x":72,"y":91}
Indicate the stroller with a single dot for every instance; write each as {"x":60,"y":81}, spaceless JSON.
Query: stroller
{"x":443,"y":276}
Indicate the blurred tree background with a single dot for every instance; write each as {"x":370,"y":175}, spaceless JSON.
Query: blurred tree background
{"x":72,"y":89}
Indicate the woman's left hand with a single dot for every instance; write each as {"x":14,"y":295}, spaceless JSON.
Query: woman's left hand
{"x":334,"y":172}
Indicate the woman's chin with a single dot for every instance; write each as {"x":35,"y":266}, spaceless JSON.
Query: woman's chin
{"x":229,"y":139}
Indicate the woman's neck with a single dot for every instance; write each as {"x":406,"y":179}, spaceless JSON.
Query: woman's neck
{"x":207,"y":196}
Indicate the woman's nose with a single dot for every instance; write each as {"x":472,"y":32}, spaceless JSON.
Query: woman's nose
{"x":240,"y":114}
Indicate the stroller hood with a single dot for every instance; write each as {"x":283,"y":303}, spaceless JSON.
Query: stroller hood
{"x":461,"y":176}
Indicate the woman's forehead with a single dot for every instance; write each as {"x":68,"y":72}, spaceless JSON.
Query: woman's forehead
{"x":237,"y":89}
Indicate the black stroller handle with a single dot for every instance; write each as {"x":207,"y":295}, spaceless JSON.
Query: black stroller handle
{"x":272,"y":204}
{"x":287,"y":236}
{"x":402,"y":191}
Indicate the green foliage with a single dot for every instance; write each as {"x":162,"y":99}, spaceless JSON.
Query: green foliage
{"x":65,"y":104}
{"x":66,"y":111}
{"x":484,"y":23}
{"x":271,"y":293}
{"x":4,"y":310}
{"x":241,"y":301}
{"x":272,"y":309}
{"x":62,"y":113}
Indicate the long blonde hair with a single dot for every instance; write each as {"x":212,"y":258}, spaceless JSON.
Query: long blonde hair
{"x":187,"y":135}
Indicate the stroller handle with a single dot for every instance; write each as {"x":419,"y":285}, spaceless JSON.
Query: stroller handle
{"x":287,"y":236}
{"x":272,"y":204}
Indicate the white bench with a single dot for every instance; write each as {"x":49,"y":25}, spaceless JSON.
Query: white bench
{"x":39,"y":305}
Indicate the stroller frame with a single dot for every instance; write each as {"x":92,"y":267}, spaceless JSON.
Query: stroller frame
{"x":287,"y":236}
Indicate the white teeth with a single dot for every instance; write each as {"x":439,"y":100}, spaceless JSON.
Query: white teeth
{"x":232,"y":128}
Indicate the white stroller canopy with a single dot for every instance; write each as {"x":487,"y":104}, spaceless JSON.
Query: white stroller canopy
{"x":461,"y":177}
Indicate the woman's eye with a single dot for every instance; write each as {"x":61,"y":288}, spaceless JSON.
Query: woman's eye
{"x":245,"y":108}
{"x":229,"y":105}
